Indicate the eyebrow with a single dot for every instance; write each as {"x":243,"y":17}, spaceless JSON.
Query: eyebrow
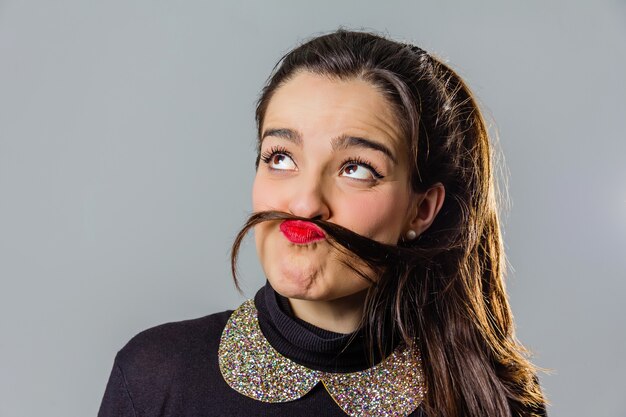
{"x":345,"y":141}
{"x":288,"y":134}
{"x":340,"y":142}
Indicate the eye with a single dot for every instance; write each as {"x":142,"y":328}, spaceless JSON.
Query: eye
{"x":360,"y":170}
{"x":281,"y":161}
{"x":278,"y":158}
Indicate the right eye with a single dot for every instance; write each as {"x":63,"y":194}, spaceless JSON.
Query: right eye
{"x":279,"y":159}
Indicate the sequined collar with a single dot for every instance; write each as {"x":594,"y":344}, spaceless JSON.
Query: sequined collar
{"x":252,"y":367}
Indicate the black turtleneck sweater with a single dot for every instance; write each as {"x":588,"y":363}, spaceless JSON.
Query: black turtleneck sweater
{"x":172,"y":370}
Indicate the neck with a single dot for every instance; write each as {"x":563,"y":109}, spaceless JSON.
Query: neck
{"x":342,"y":315}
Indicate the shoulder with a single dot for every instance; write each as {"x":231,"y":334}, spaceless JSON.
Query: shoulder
{"x":162,"y":349}
{"x":164,"y":365}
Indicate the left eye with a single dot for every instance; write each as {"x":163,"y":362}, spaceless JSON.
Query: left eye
{"x":281,"y":161}
{"x":358,"y":171}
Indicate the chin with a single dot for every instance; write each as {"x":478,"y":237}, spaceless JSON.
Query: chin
{"x":294,"y":275}
{"x":312,"y":274}
{"x":294,"y":285}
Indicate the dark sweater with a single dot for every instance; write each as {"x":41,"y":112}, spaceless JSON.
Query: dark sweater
{"x":172,"y":370}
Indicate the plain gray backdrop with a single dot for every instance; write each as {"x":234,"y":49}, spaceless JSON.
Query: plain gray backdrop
{"x":127,"y":158}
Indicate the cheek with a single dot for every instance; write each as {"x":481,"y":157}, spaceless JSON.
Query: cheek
{"x":257,"y":193}
{"x":260,"y":238}
{"x":263,"y":195}
{"x":378,"y":216}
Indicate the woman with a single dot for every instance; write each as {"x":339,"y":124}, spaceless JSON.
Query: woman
{"x":376,"y":225}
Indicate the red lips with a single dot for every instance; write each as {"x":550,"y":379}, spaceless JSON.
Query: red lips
{"x":301,"y":232}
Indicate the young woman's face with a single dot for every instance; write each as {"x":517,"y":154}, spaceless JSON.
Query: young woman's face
{"x":331,"y":149}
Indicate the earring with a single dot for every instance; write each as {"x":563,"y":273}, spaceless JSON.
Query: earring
{"x":411,"y":234}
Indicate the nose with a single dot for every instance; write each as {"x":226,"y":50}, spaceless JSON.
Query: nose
{"x":310,"y":199}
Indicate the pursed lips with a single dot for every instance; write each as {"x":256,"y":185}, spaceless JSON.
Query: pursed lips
{"x":301,"y":232}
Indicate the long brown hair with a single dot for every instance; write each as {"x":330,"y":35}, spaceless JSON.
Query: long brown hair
{"x":445,"y":290}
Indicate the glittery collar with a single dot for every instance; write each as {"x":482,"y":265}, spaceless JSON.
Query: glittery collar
{"x":251,"y":366}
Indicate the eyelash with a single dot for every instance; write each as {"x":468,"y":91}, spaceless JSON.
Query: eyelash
{"x":363,"y":162}
{"x":267,"y":156}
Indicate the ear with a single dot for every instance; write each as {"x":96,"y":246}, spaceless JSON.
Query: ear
{"x":427,"y":205}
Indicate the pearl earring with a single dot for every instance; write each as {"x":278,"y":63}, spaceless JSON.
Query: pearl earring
{"x":411,"y":234}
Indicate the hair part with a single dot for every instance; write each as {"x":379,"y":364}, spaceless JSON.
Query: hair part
{"x":445,"y":290}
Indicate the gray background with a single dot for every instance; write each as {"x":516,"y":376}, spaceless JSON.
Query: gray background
{"x":126,"y":164}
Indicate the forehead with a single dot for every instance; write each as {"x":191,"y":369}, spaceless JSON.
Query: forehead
{"x":323,"y":106}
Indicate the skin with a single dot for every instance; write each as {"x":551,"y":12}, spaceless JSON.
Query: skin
{"x":303,"y":171}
